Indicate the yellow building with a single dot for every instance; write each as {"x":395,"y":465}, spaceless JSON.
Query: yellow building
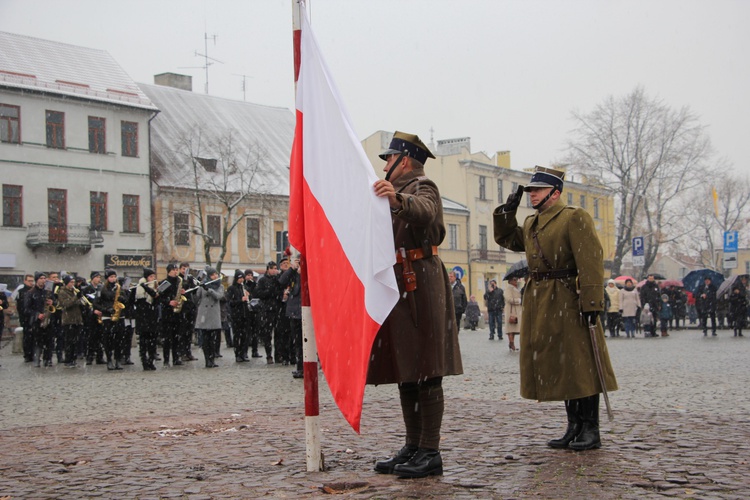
{"x":481,"y":183}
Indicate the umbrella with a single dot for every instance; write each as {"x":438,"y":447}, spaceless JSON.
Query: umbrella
{"x":666,"y":283}
{"x":624,"y":278}
{"x":518,"y":270}
{"x":728,"y":283}
{"x":694,"y":279}
{"x":640,"y":283}
{"x":657,"y":276}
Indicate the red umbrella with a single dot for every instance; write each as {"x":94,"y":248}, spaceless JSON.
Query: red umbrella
{"x":624,"y":278}
{"x":666,"y":283}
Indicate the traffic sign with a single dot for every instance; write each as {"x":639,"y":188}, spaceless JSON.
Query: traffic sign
{"x":731,"y":240}
{"x":639,"y":252}
{"x":459,"y":272}
{"x":730,"y":260}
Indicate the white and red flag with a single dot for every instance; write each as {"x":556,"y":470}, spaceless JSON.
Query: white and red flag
{"x":341,"y":227}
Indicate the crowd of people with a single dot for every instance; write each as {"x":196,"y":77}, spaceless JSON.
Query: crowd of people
{"x":74,"y":321}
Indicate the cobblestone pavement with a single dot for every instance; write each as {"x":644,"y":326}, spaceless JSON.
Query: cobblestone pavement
{"x":680,"y":430}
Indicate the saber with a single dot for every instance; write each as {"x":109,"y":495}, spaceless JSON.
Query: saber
{"x":599,"y":371}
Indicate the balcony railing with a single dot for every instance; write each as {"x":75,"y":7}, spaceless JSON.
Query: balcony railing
{"x":43,"y":234}
{"x":487,"y":255}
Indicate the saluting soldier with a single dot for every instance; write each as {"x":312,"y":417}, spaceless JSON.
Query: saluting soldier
{"x":563,"y":297}
{"x":417,"y":345}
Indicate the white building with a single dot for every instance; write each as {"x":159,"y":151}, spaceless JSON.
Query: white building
{"x":74,"y":161}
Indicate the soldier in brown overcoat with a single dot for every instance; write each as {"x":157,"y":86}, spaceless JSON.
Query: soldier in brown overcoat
{"x":563,"y":296}
{"x":417,"y":345}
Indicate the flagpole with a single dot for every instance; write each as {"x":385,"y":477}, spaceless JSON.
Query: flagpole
{"x":314,"y":455}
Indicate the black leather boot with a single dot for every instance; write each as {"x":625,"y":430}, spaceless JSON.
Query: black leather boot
{"x":574,"y":425}
{"x":425,"y":462}
{"x":403,"y":456}
{"x":588,"y":438}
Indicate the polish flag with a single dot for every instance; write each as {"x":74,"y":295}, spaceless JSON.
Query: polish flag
{"x":341,"y":227}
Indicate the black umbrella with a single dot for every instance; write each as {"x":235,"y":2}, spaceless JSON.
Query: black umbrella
{"x":518,"y":270}
{"x":694,"y":279}
{"x":657,"y":276}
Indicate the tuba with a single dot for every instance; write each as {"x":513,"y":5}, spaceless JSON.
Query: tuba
{"x":117,"y":305}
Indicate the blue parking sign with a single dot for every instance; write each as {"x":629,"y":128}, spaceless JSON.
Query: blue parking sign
{"x":731,"y":241}
{"x":638,"y":248}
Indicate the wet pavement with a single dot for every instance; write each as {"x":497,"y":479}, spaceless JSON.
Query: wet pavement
{"x":680,"y":430}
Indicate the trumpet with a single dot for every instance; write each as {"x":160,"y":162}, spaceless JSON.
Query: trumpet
{"x":84,"y":300}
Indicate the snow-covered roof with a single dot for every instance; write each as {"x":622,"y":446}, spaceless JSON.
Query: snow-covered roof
{"x":449,"y":204}
{"x":29,"y":63}
{"x":263,"y":133}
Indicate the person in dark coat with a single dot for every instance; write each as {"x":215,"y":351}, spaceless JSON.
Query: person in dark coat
{"x":494,"y":299}
{"x":37,"y":305}
{"x":19,"y":296}
{"x":651,"y":295}
{"x":738,"y":304}
{"x":271,"y":295}
{"x":417,"y":344}
{"x":459,"y":297}
{"x":147,"y":318}
{"x":238,"y":299}
{"x":472,"y":313}
{"x":253,"y":319}
{"x":562,"y":301}
{"x":705,"y":303}
{"x":171,"y":319}
{"x":291,"y":279}
{"x":69,"y":301}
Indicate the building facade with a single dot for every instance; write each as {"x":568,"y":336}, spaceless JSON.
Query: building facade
{"x":73,"y":161}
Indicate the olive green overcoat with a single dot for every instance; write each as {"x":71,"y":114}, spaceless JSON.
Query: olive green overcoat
{"x":404,"y":351}
{"x":556,"y":358}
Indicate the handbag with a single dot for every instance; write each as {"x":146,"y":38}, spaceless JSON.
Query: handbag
{"x":512,"y":320}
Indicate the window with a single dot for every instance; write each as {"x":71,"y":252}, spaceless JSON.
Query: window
{"x":596,"y":208}
{"x":583,"y":201}
{"x":55,"y":129}
{"x":181,"y":229}
{"x":482,"y":187}
{"x":97,"y":129}
{"x":213,"y":229}
{"x":130,"y":213}
{"x":570,"y":198}
{"x":12,"y":206}
{"x":10,"y":123}
{"x":453,"y":236}
{"x":129,"y":139}
{"x":98,"y":210}
{"x":208,"y":163}
{"x":500,"y":197}
{"x":252,"y":230}
{"x":483,"y":237}
{"x":57,"y":215}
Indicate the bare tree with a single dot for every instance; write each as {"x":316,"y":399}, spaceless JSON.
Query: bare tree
{"x":649,"y":156}
{"x":225,"y":175}
{"x":705,"y":219}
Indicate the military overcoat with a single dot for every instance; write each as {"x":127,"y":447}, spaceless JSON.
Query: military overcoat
{"x":556,"y":358}
{"x":411,"y":348}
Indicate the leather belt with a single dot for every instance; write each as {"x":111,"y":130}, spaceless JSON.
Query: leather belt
{"x":414,"y":254}
{"x":554,"y":274}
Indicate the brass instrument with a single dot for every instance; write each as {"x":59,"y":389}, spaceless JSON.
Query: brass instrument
{"x":84,"y":300}
{"x":144,"y":283}
{"x":117,"y":305}
{"x":180,"y":298}
{"x":48,"y":312}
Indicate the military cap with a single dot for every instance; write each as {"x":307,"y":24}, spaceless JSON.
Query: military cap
{"x":409,"y":144}
{"x":546,"y":177}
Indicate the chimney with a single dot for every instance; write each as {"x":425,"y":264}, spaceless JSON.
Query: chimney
{"x":182,"y":82}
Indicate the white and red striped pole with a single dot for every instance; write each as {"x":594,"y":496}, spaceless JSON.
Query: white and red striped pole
{"x":314,"y":456}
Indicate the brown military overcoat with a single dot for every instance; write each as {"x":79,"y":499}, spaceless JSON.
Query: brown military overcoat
{"x":556,"y":359}
{"x":405,"y":351}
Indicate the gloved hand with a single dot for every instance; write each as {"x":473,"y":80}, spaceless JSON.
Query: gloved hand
{"x":514,"y":199}
{"x":204,"y":286}
{"x":590,"y":317}
{"x":143,"y":285}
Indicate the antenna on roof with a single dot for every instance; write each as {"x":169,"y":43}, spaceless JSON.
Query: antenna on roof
{"x":244,"y":86}
{"x":208,"y":60}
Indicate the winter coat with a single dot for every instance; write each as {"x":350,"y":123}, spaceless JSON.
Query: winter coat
{"x":494,"y":300}
{"x":208,"y":314}
{"x":666,"y":311}
{"x":512,"y":307}
{"x":290,"y":278}
{"x":647,"y":318}
{"x":651,"y":295}
{"x":270,"y":292}
{"x":403,"y":351}
{"x":738,"y":305}
{"x":630,"y":302}
{"x":472,"y":311}
{"x":145,"y":310}
{"x":705,"y":299}
{"x":459,"y":297}
{"x":70,"y":304}
{"x":614,"y":299}
{"x":239,"y":312}
{"x":557,"y":361}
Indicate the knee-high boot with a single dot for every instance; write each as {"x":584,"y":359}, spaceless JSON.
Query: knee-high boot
{"x":574,"y":424}
{"x":588,"y":438}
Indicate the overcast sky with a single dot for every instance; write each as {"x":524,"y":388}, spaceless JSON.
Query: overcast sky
{"x":505,"y":73}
